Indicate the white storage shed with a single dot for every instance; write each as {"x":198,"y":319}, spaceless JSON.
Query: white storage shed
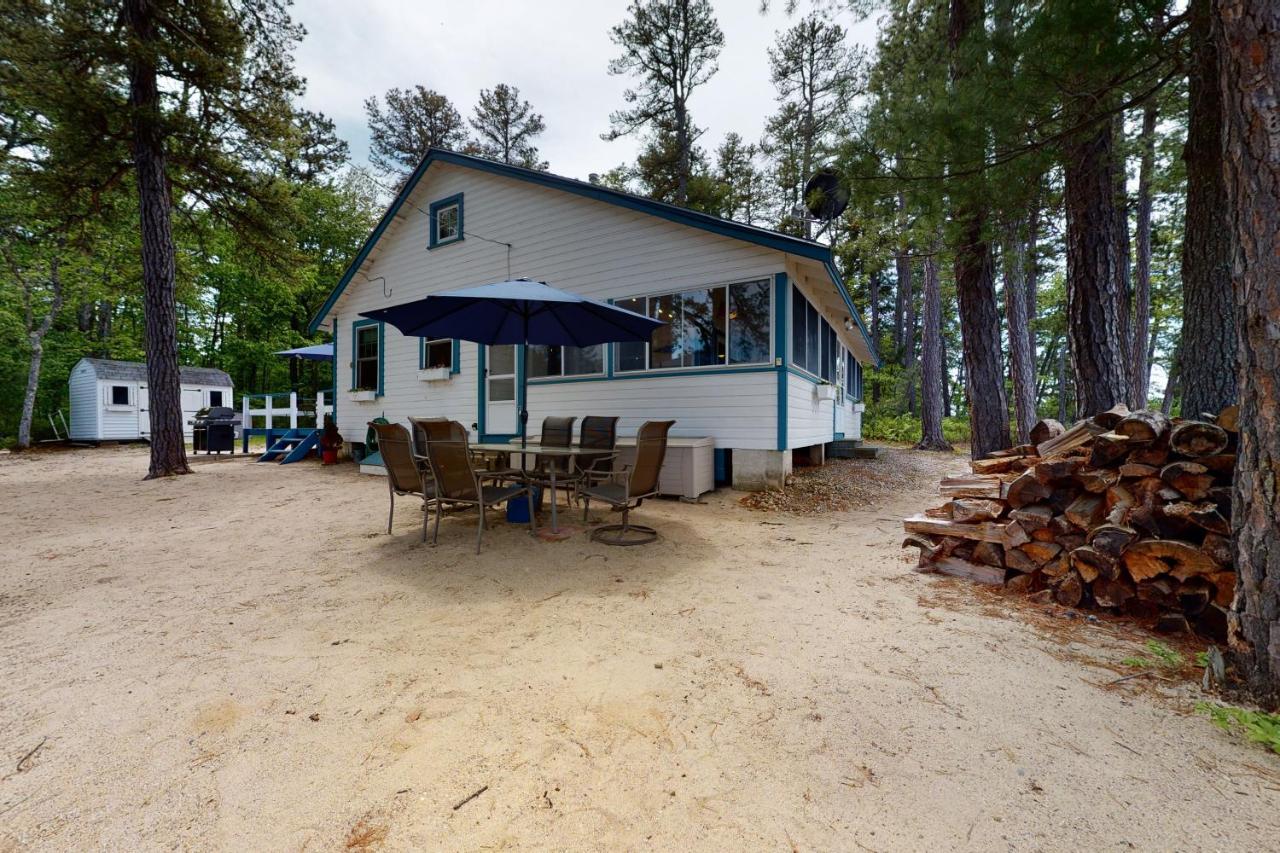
{"x":109,"y":398}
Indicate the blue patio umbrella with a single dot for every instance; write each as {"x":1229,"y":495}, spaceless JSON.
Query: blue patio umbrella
{"x":318,"y":352}
{"x":517,"y":312}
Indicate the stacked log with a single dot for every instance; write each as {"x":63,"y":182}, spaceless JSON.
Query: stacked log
{"x":1127,"y":511}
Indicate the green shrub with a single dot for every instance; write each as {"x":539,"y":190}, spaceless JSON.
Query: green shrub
{"x":904,"y":429}
{"x":1257,"y":726}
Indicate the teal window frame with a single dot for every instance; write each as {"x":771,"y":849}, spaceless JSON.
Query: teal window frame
{"x":433,"y":239}
{"x":455,"y":352}
{"x":356,"y":326}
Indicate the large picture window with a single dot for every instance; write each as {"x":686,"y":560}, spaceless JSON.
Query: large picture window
{"x":548,"y":361}
{"x":367,"y":356}
{"x":706,"y":327}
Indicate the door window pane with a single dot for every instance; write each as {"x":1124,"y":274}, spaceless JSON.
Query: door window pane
{"x":666,"y":347}
{"x":502,"y":390}
{"x":631,"y":355}
{"x":502,"y":360}
{"x":749,"y":323}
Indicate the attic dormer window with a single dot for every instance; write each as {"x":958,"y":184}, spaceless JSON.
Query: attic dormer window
{"x":446,"y":221}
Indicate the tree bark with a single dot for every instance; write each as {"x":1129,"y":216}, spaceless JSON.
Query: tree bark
{"x":1021,"y":363}
{"x":1140,"y":360}
{"x":975,"y":284}
{"x":1171,"y":383}
{"x":1062,"y":386}
{"x":1247,"y":36}
{"x":1094,"y":281}
{"x":168,"y":447}
{"x":1208,"y":327}
{"x":1124,"y":307}
{"x":931,"y":367}
{"x":35,"y":336}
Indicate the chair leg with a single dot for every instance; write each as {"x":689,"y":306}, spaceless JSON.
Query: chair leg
{"x":586,"y":507}
{"x":435,"y":535}
{"x":480,"y":527}
{"x":426,"y":508}
{"x":392,"y":513}
{"x":533,"y":525}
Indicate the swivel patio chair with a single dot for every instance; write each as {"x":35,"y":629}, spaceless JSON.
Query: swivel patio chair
{"x":407,"y":472}
{"x":458,"y":483}
{"x":599,"y":434}
{"x":630,"y":487}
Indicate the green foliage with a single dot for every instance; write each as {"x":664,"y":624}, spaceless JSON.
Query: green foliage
{"x":1256,"y":726}
{"x":905,"y":428}
{"x":1162,"y":657}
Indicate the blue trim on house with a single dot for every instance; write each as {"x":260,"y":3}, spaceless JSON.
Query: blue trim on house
{"x":670,"y":212}
{"x":433,"y":241}
{"x":457,"y":358}
{"x":334,"y":401}
{"x":652,"y":374}
{"x":382,"y":352}
{"x":781,"y":302}
{"x":853,"y":312}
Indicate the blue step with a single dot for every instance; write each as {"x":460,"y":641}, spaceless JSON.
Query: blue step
{"x":292,"y":446}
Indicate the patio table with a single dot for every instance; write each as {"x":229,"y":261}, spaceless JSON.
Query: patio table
{"x":536,"y":450}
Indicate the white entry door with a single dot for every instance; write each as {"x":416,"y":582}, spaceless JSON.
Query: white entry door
{"x":500,"y":390}
{"x":144,"y":412}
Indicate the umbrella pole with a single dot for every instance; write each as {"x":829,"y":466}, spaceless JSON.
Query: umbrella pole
{"x":524,"y":387}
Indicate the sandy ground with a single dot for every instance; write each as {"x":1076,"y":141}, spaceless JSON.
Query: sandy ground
{"x":242,"y":659}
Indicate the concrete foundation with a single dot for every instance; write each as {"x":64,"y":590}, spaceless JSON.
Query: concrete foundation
{"x":757,"y":470}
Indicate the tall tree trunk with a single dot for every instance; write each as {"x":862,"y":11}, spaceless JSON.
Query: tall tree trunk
{"x":874,"y":287}
{"x":931,"y":367}
{"x":1033,"y":271}
{"x":902,"y":264}
{"x":1248,"y":39}
{"x":975,"y":284}
{"x":980,"y":338}
{"x":1140,"y":357}
{"x":1208,"y":327}
{"x":35,"y":336}
{"x":1124,"y":309}
{"x":1171,"y":382}
{"x":1094,"y":281}
{"x":1062,"y":386}
{"x":946,"y":376}
{"x":168,"y":447}
{"x":1022,"y":368}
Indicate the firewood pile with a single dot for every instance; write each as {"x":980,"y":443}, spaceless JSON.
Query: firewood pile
{"x":1126,"y":511}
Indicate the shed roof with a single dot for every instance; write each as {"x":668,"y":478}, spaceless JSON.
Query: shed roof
{"x":136,"y":371}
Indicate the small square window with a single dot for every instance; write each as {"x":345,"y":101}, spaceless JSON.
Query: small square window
{"x":446,"y":221}
{"x":438,"y":353}
{"x":119,"y":395}
{"x":215,"y":398}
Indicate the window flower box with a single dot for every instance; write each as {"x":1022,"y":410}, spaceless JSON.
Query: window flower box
{"x":433,"y":374}
{"x":824,"y":392}
{"x":362,"y":396}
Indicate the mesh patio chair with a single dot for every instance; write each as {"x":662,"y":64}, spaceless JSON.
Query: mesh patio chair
{"x":556,"y":432}
{"x":630,"y":486}
{"x":458,"y":483}
{"x":407,"y":472}
{"x":600,"y":434}
{"x":420,"y":432}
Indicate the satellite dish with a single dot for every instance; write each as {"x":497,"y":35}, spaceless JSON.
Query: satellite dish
{"x":825,"y":195}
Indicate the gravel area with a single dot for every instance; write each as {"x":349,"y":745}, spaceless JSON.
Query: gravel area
{"x":846,"y":484}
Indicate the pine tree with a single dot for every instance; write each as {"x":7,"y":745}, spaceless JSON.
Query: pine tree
{"x":1247,"y":39}
{"x":189,"y":101}
{"x":737,"y":170}
{"x":672,"y":47}
{"x":506,"y":127}
{"x":413,"y":121}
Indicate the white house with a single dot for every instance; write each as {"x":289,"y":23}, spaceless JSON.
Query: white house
{"x":764,"y":349}
{"x":109,"y":398}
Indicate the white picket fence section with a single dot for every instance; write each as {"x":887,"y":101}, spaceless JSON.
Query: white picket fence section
{"x":271,"y":409}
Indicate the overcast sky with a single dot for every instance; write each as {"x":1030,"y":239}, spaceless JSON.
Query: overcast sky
{"x":555,"y":51}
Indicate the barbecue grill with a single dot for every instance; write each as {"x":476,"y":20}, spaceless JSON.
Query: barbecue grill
{"x":213,"y":429}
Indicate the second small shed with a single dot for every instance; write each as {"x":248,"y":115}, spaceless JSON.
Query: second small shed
{"x":109,"y":399}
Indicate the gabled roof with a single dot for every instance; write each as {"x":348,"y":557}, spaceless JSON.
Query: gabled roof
{"x":673,"y":213}
{"x":136,"y":371}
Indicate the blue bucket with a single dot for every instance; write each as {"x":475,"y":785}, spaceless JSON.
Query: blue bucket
{"x":518,"y":508}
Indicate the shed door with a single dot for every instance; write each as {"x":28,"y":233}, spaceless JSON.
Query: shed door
{"x":144,"y":412}
{"x":500,"y":387}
